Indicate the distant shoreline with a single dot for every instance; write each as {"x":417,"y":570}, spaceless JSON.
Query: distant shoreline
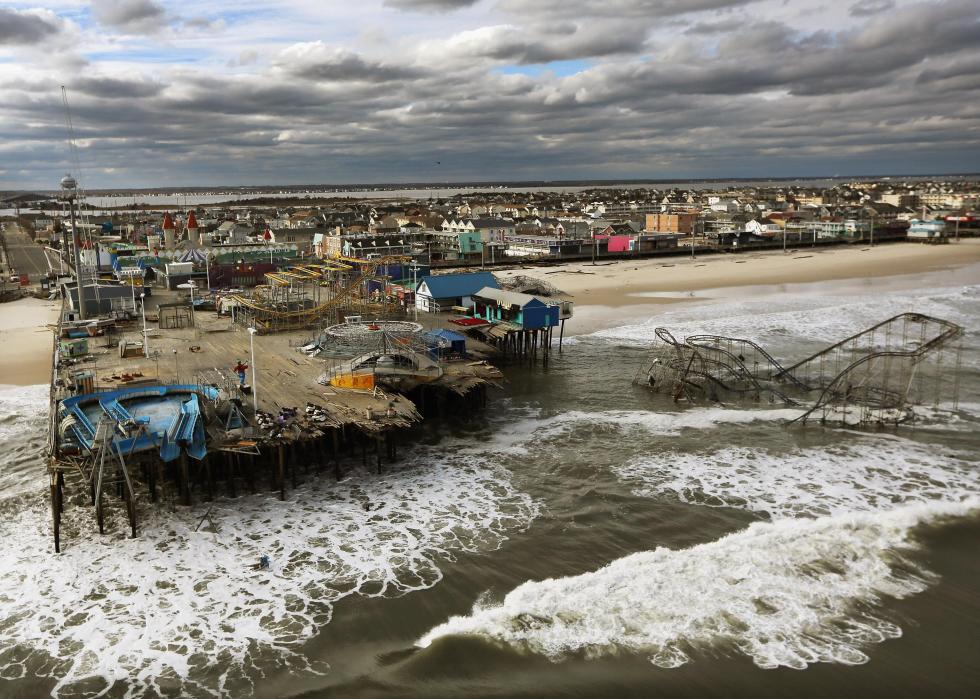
{"x":323,"y":188}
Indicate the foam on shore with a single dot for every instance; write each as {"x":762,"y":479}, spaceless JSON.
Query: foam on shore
{"x":786,"y":594}
{"x":161,"y":611}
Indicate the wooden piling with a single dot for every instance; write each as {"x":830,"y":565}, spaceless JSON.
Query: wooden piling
{"x":282,"y":472}
{"x":56,"y":509}
{"x":185,"y":481}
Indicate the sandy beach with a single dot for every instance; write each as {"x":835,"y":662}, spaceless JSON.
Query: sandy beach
{"x":602,"y":292}
{"x":25,"y":342}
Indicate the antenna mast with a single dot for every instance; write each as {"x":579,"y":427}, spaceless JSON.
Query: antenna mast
{"x":80,"y":192}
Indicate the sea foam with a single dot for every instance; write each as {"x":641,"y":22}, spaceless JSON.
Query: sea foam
{"x":785,"y":593}
{"x":855,"y":474}
{"x":179,"y":611}
{"x":23,"y":422}
{"x":820,"y":318}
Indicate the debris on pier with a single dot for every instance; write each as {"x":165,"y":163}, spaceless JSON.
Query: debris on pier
{"x":524,"y":284}
{"x":875,"y":377}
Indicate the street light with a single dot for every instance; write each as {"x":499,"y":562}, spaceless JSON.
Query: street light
{"x":146,"y":349}
{"x":415,"y":287}
{"x":132,"y":288}
{"x":255,"y":395}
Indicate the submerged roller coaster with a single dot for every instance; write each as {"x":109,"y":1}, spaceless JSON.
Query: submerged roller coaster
{"x":876,"y":376}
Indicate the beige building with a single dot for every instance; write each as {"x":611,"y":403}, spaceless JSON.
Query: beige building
{"x":671,"y":223}
{"x":900,"y":200}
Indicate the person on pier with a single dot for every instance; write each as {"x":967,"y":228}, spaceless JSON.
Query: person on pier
{"x":240,"y":369}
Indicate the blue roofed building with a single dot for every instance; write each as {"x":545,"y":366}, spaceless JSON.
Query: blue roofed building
{"x":443,"y":344}
{"x":441,"y":292}
{"x":524,"y":311}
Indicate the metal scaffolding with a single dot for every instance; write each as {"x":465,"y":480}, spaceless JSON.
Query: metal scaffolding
{"x":873,"y":377}
{"x":313,"y":295}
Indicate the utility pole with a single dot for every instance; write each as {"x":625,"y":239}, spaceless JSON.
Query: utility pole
{"x":146,"y":346}
{"x":255,"y":395}
{"x":415,"y":288}
{"x":693,"y":230}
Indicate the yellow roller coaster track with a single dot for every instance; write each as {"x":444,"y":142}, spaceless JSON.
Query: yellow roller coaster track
{"x":368,"y":271}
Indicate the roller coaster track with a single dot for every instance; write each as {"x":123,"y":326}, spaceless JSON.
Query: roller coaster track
{"x":874,"y":376}
{"x":852,"y":384}
{"x":694,"y":355}
{"x":776,"y":370}
{"x":368,"y":271}
{"x":949,"y":332}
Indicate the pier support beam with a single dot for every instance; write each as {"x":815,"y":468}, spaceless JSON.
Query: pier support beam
{"x":185,"y":480}
{"x":57,"y":480}
{"x":281,"y":477}
{"x":336,"y":453}
{"x":209,"y":477}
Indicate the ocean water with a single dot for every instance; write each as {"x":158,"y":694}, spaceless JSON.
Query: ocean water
{"x":582,"y":538}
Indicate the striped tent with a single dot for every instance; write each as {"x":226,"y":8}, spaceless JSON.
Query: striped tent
{"x":195,"y":255}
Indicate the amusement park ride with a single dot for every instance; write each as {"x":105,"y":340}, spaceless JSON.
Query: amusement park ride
{"x":314,"y":294}
{"x":874,"y":377}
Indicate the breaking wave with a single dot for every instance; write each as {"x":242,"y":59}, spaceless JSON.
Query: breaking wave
{"x":23,"y":421}
{"x":525,"y":434}
{"x":162,"y":612}
{"x":786,"y":593}
{"x":820,"y":318}
{"x":850,"y":476}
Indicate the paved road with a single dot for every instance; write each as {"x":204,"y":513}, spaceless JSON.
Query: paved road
{"x":26,"y":257}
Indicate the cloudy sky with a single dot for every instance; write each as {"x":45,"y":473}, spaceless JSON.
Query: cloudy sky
{"x":170,"y":93}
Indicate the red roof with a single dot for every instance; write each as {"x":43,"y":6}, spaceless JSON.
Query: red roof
{"x":167,"y":221}
{"x":191,"y":221}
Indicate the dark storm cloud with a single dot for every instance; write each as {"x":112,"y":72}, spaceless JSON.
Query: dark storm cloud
{"x":115,"y":88}
{"x":772,"y":56}
{"x":129,"y":15}
{"x":739,"y":94}
{"x":430,"y":5}
{"x":555,"y":42}
{"x":617,"y":8}
{"x":866,"y":8}
{"x":25,"y":28}
{"x":316,"y":61}
{"x":706,"y":28}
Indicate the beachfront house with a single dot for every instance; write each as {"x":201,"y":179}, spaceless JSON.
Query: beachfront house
{"x":523,"y":310}
{"x":442,"y":292}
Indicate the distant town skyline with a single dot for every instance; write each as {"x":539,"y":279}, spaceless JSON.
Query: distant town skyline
{"x":165,"y":94}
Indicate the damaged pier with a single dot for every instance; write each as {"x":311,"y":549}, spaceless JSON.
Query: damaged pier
{"x":199,"y":406}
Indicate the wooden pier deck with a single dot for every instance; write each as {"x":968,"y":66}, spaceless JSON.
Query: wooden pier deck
{"x":346,"y":424}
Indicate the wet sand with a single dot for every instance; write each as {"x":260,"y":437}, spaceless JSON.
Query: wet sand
{"x":26,"y":342}
{"x":604,"y":292}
